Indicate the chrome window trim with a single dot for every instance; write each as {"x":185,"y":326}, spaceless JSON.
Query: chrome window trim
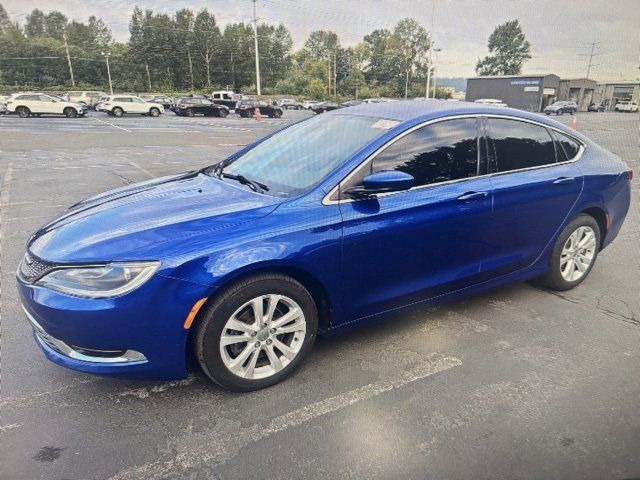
{"x":326,"y":200}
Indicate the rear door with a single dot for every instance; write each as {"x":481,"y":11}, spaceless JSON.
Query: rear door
{"x":535,"y":187}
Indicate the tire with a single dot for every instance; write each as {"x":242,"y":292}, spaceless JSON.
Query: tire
{"x":154,"y":112}
{"x":222,"y":113}
{"x":23,"y":112}
{"x":277,"y":114}
{"x":560,"y":112}
{"x":235,"y":301}
{"x":554,"y":278}
{"x":70,"y":112}
{"x":117,"y":112}
{"x":189,"y":112}
{"x":285,"y":107}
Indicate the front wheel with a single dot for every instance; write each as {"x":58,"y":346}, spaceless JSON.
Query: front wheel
{"x":189,"y":112}
{"x":560,"y":112}
{"x":574,"y":254}
{"x":256,"y":333}
{"x":70,"y":112}
{"x":154,"y":112}
{"x":277,"y":114}
{"x":223,"y":113}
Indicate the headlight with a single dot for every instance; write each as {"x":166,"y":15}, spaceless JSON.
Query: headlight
{"x":102,"y":281}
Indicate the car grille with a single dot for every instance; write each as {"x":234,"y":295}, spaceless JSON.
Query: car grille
{"x":32,"y":268}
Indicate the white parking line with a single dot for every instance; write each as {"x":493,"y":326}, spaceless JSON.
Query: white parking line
{"x":199,"y":449}
{"x":107,"y":123}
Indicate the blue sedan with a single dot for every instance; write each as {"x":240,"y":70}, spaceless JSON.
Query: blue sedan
{"x":320,"y":228}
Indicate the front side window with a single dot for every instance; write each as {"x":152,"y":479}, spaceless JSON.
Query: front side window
{"x":517,"y":145}
{"x":302,"y":155}
{"x":435,"y":153}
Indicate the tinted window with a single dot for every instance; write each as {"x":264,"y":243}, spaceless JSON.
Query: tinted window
{"x":122,"y":99}
{"x":518,"y":145}
{"x":567,"y":147}
{"x":435,"y":153}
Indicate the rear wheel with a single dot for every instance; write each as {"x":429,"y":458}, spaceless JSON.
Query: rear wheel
{"x":574,"y":254}
{"x":223,"y":113}
{"x":277,"y":114}
{"x":117,"y":112}
{"x":256,"y":333}
{"x":560,"y":112}
{"x":70,"y":112}
{"x":154,"y":112}
{"x":23,"y":112}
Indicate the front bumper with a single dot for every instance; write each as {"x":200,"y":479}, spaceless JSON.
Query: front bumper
{"x":139,"y":335}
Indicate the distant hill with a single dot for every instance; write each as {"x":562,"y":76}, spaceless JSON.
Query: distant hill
{"x":459,"y":83}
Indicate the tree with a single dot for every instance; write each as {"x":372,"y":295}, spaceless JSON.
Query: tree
{"x":508,"y":50}
{"x":5,"y":22}
{"x":409,"y":43}
{"x":206,"y":39}
{"x":34,"y":25}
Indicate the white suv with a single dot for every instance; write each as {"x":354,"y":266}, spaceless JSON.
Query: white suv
{"x":626,"y":106}
{"x":118,"y":105}
{"x":27,"y":104}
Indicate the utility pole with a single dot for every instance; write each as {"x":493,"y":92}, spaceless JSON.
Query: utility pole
{"x":335,"y":76}
{"x":106,"y":56}
{"x":190,"y":68}
{"x":433,"y":21}
{"x":146,"y":66}
{"x":66,"y":47}
{"x":434,"y":71}
{"x":593,"y":46}
{"x":255,"y":41}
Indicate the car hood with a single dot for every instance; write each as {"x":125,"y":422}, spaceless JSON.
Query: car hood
{"x":118,"y":224}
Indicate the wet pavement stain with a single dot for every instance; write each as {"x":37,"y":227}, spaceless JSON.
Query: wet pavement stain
{"x":48,"y":454}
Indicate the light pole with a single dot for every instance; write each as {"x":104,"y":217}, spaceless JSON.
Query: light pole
{"x":434,"y":70}
{"x":106,"y":56}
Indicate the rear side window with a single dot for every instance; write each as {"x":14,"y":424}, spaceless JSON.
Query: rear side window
{"x":567,"y":148}
{"x":517,"y":145}
{"x":122,"y":99}
{"x":435,"y":153}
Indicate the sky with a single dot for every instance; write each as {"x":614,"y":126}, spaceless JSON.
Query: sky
{"x":561,"y":32}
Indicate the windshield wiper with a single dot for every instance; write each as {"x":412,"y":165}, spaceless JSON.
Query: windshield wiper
{"x":255,"y":186}
{"x":218,"y":171}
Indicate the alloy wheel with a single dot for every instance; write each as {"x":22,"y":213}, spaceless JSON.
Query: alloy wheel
{"x":263,"y":336}
{"x":578,"y":253}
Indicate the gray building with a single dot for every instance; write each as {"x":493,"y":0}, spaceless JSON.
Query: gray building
{"x":613,"y":92}
{"x":579,"y":90}
{"x":526,"y":92}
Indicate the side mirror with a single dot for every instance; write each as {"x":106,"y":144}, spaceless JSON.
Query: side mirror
{"x":382,"y":182}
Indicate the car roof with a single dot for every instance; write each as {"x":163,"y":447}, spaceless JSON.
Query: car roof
{"x":408,"y":111}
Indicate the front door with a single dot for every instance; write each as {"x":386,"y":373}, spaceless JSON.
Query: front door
{"x":408,"y":246}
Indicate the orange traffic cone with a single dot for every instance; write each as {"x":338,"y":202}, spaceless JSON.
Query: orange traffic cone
{"x":574,"y":122}
{"x":257,"y":114}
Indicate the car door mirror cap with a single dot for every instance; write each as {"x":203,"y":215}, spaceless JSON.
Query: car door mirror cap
{"x":384,"y":181}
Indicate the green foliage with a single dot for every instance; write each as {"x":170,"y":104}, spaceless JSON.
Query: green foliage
{"x":188,"y":52}
{"x":508,"y":50}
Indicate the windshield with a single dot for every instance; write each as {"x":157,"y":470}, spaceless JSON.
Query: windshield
{"x":300,"y":156}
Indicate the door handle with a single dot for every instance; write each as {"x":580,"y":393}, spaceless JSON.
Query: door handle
{"x":472,"y":196}
{"x":563,"y":180}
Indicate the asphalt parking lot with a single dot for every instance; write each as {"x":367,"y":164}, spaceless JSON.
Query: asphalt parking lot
{"x":515,"y":383}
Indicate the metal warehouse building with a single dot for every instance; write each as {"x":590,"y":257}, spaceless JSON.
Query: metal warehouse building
{"x":579,"y":90}
{"x":612,"y":93}
{"x":526,"y":92}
